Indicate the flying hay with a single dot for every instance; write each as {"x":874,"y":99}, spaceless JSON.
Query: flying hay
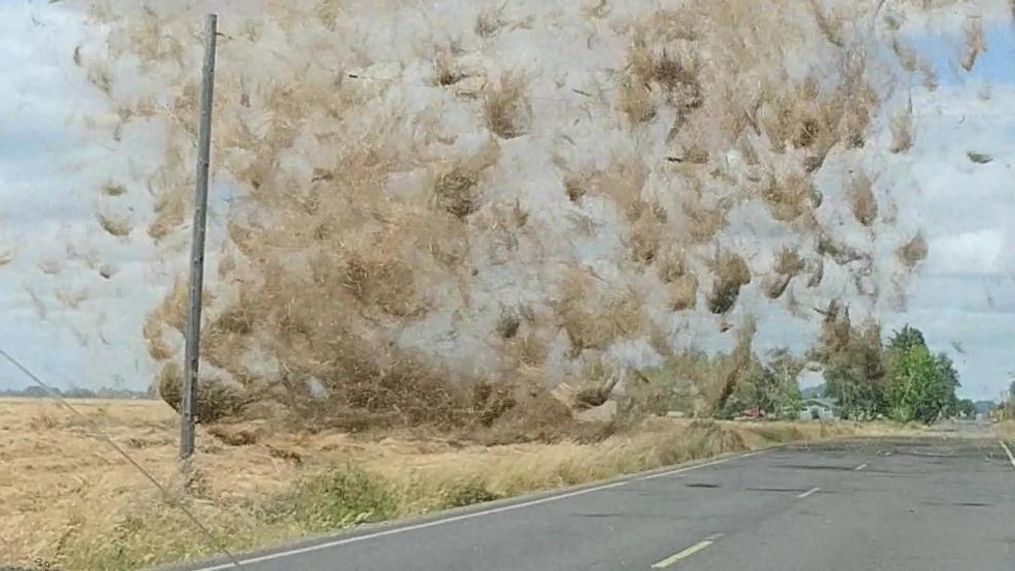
{"x":731,"y":273}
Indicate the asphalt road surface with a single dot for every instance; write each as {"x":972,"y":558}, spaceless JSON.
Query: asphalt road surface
{"x":900,"y":504}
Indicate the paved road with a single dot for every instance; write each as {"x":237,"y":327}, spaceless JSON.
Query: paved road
{"x":900,"y":504}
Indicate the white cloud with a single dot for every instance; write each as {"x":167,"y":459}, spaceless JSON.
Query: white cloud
{"x":978,"y":252}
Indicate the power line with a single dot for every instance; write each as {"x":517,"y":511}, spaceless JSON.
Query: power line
{"x":167,"y":496}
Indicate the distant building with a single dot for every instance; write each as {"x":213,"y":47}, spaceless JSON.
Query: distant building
{"x":818,"y":409}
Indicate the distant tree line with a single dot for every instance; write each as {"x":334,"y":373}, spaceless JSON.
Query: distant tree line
{"x":900,"y":378}
{"x":769,"y":387}
{"x":76,"y":393}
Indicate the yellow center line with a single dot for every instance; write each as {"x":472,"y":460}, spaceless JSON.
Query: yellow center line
{"x":677,"y":557}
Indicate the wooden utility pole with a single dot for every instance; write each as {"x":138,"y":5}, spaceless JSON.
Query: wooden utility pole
{"x":193,"y":333}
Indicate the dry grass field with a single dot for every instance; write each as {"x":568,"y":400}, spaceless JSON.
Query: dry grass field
{"x":71,"y":502}
{"x":1005,"y":429}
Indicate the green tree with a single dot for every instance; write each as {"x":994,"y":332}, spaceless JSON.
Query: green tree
{"x":906,"y":338}
{"x":771,"y":387}
{"x":950,"y":378}
{"x":855,"y":374}
{"x":754,"y":389}
{"x":785,"y":370}
{"x":967,"y":408}
{"x":920,"y":386}
{"x":916,"y":388}
{"x":899,"y":377}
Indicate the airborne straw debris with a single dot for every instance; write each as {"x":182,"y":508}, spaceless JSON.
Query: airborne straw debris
{"x":457,"y":217}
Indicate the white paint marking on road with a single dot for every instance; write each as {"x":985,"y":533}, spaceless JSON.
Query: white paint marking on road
{"x":809,"y":492}
{"x":687,"y":469}
{"x":463,"y":517}
{"x":424,"y":525}
{"x":1007,"y":450}
{"x":704,"y":465}
{"x":860,"y":467}
{"x":677,"y":557}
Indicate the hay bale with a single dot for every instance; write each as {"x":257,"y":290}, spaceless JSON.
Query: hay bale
{"x":597,"y":383}
{"x":789,"y":262}
{"x":704,"y":223}
{"x":214,"y":398}
{"x":673,"y":74}
{"x":612,"y":318}
{"x":537,"y":417}
{"x":979,"y":158}
{"x":861,"y":199}
{"x":490,"y":402}
{"x":731,"y":274}
{"x":506,"y":107}
{"x":830,"y":25}
{"x":902,"y":132}
{"x":644,"y":238}
{"x":776,"y":285}
{"x":817,"y":275}
{"x":114,"y":225}
{"x":237,"y":434}
{"x":836,"y":328}
{"x":604,"y":412}
{"x":812,"y":163}
{"x":789,"y":198}
{"x":841,"y":253}
{"x":399,"y":389}
{"x":110,"y":188}
{"x":913,"y":252}
{"x":455,"y":188}
{"x":525,"y":352}
{"x":693,"y":154}
{"x":636,"y":102}
{"x":683,"y":293}
{"x":671,"y":265}
{"x":577,"y":185}
{"x":508,"y":324}
{"x":383,"y":282}
{"x":455,"y":191}
{"x":975,"y":44}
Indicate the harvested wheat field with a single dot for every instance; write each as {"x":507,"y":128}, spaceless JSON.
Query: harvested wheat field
{"x":71,"y":502}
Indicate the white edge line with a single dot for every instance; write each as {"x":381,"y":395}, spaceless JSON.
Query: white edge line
{"x":1007,"y":450}
{"x":687,"y":469}
{"x":463,"y":517}
{"x":809,"y":492}
{"x":703,"y":465}
{"x":860,"y":467}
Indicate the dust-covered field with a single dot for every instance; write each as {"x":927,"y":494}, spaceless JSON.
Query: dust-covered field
{"x":71,"y":502}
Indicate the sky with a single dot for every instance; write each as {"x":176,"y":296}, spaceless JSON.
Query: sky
{"x":75,"y":327}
